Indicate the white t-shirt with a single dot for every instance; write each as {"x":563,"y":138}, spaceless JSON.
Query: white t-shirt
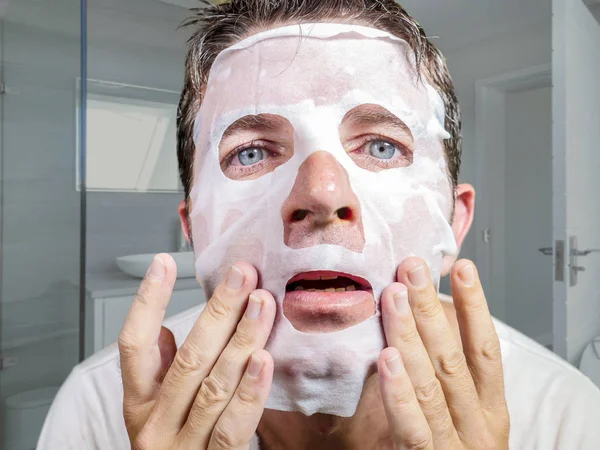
{"x":552,"y":405}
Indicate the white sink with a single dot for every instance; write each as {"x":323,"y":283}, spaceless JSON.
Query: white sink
{"x":137,"y":265}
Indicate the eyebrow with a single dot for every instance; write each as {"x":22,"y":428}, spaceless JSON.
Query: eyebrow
{"x":375,"y":116}
{"x":263,"y":122}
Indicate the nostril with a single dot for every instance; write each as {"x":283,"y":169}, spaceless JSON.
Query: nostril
{"x":344,"y":213}
{"x":299,"y":215}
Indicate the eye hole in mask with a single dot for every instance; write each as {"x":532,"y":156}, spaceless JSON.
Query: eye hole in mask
{"x":376,"y":139}
{"x":255,"y":145}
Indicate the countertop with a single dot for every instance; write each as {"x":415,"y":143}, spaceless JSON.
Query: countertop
{"x":120,"y":284}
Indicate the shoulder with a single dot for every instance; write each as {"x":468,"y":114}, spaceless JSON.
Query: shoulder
{"x":87,"y":411}
{"x":551,"y":403}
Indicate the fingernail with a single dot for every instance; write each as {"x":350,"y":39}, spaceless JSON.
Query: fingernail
{"x":394,"y":365}
{"x":157,"y":268}
{"x":234,"y":279}
{"x":417,"y":277}
{"x":467,"y":275}
{"x":255,"y":366}
{"x":401,"y":301}
{"x":254,"y":307}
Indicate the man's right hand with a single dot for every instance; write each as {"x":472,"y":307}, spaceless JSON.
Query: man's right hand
{"x":209,"y":394}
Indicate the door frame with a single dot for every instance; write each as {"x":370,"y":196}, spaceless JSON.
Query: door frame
{"x":490,"y":127}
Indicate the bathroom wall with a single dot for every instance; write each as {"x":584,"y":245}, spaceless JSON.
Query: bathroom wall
{"x":134,"y":42}
{"x":576,"y":67}
{"x":526,"y":47}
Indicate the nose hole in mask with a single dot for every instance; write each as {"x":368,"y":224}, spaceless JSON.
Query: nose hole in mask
{"x":344,"y":213}
{"x":299,"y":215}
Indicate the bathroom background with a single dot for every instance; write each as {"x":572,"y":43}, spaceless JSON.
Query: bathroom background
{"x":89,"y":186}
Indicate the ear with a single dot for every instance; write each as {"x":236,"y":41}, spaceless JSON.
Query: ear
{"x":464,"y":211}
{"x":184,"y":220}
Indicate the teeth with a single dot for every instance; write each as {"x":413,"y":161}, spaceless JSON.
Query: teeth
{"x":346,"y":289}
{"x":329,"y":278}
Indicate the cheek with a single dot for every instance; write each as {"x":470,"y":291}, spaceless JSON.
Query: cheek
{"x":231,"y":217}
{"x":415,"y":232}
{"x":200,"y":233}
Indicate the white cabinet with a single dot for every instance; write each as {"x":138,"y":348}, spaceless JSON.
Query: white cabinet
{"x":105,"y":315}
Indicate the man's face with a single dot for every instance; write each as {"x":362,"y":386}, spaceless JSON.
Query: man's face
{"x":321,"y":162}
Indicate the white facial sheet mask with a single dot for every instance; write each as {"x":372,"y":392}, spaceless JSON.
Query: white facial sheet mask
{"x":312,"y":75}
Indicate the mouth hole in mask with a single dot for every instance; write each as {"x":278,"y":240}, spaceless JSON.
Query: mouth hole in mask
{"x":327,"y":282}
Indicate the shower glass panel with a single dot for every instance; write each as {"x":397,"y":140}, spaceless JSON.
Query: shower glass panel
{"x":40,"y":210}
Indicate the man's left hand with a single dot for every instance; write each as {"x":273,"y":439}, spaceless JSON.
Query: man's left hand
{"x":436,"y":394}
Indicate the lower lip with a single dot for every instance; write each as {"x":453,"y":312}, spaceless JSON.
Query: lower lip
{"x":326,"y":312}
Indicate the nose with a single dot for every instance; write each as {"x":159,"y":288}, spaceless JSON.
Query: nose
{"x":322,"y":208}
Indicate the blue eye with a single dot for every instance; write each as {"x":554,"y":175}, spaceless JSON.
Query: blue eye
{"x":382,"y":149}
{"x":250,"y":156}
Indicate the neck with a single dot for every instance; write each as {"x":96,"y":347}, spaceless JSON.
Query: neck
{"x":366,"y":429}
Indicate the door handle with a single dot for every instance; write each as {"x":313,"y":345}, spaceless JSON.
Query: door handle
{"x":546,"y":251}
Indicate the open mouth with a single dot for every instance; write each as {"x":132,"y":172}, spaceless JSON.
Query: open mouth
{"x":327,"y":281}
{"x":327,"y":301}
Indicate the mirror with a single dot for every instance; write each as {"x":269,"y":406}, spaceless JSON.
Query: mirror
{"x":130,"y":139}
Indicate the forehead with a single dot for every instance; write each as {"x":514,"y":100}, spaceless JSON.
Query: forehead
{"x":290,"y":69}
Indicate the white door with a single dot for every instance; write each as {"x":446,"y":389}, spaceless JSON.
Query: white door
{"x":576,"y":169}
{"x":528,"y":212}
{"x":514,"y":208}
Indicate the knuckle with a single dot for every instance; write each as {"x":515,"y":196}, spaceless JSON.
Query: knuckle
{"x":130,"y":417}
{"x":490,"y":350}
{"x":247,"y":396}
{"x":224,"y":438}
{"x":420,"y":440}
{"x":475,"y":305}
{"x":144,"y":441}
{"x":487,"y":442}
{"x":217,"y":308}
{"x":402,"y":399}
{"x":242,"y":338}
{"x":451,"y":363}
{"x":143,"y":293}
{"x":410,"y":336}
{"x":196,"y":419}
{"x":428,"y":309}
{"x":127,"y":343}
{"x":213,"y":391}
{"x":429,"y":393}
{"x":187,"y":362}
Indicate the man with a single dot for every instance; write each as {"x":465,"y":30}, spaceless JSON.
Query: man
{"x":324,"y":155}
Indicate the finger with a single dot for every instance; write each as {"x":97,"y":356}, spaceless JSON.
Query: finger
{"x":448,"y":360}
{"x":478,"y":334}
{"x":239,"y":421}
{"x":401,"y":333}
{"x":140,"y":355}
{"x":219,"y":387}
{"x":408,"y":425}
{"x":205,"y":342}
{"x":136,"y":414}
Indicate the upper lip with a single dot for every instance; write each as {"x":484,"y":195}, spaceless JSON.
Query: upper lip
{"x":327,"y":277}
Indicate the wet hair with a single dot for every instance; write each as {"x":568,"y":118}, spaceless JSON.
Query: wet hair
{"x":217,"y":27}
